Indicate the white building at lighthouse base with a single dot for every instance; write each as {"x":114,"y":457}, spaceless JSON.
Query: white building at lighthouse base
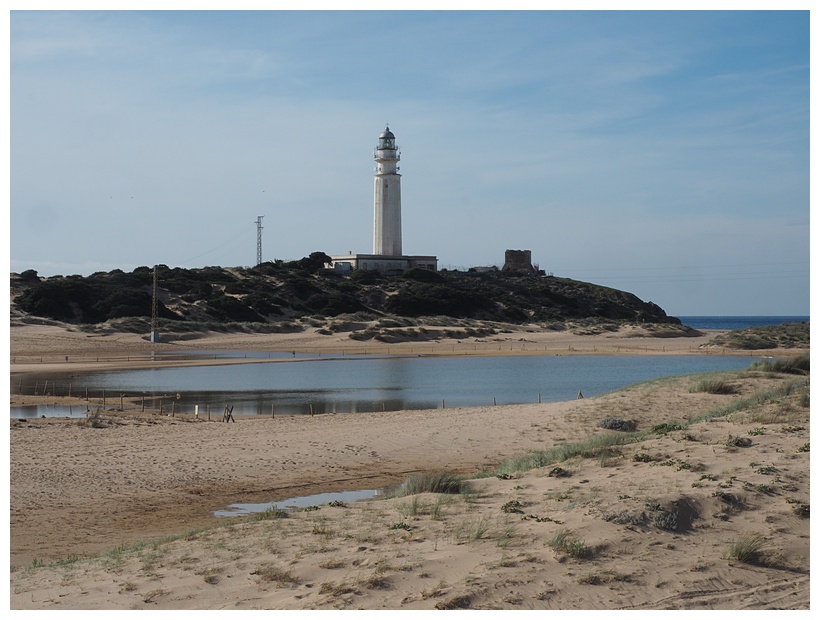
{"x":389,"y":265}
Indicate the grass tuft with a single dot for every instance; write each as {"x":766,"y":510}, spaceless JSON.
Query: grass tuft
{"x":268,"y":514}
{"x":437,"y":482}
{"x":713,"y":386}
{"x":793,"y":366}
{"x":748,"y":549}
{"x":565,"y":542}
{"x":270,"y":572}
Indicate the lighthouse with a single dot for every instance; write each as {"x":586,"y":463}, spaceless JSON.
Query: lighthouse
{"x":387,"y":197}
{"x":387,"y":257}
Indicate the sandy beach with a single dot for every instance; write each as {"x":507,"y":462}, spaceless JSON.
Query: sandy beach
{"x":44,"y":348}
{"x":119,"y":514}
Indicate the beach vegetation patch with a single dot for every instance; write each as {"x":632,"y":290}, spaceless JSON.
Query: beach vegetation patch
{"x":512,"y":506}
{"x":470,"y":530}
{"x":665,"y":520}
{"x":338,"y":589}
{"x":738,"y":442}
{"x":268,"y":514}
{"x":376,"y":581}
{"x":401,"y":526}
{"x":749,"y":549}
{"x":794,"y":366}
{"x":666,"y":427}
{"x":271,"y":573}
{"x":801,"y":509}
{"x":590,"y":448}
{"x":457,"y":602}
{"x":625,"y":517}
{"x":713,"y":386}
{"x":616,"y":424}
{"x":603,"y":577}
{"x":565,"y":542}
{"x":727,"y":498}
{"x":432,"y":482}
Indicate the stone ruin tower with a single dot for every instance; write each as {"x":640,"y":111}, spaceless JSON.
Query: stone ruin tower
{"x":518,"y":261}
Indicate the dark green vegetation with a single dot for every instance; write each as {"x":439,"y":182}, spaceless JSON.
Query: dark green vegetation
{"x":268,"y":297}
{"x":785,"y":335}
{"x":793,"y":366}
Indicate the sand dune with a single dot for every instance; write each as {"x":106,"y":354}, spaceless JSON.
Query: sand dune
{"x":120,"y":516}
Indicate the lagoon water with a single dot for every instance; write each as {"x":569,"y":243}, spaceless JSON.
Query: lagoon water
{"x":387,"y":383}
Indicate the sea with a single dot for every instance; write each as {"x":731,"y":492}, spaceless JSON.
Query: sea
{"x":738,"y":322}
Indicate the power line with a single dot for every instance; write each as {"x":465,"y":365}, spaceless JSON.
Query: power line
{"x":243,"y":231}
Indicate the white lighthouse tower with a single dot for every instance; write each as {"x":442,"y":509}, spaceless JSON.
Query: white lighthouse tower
{"x":387,"y":197}
{"x":387,"y":257}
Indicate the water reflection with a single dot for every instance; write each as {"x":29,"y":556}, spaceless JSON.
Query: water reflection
{"x":28,"y":412}
{"x":240,"y":510}
{"x":373,"y":384}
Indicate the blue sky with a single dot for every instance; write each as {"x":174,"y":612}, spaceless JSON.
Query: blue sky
{"x":663,"y":153}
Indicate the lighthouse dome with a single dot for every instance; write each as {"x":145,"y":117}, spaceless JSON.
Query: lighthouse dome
{"x":387,"y":141}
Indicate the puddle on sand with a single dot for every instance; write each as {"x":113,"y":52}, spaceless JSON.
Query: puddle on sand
{"x":242,"y":510}
{"x":49,"y":411}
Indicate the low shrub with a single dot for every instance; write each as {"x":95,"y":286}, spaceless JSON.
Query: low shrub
{"x":401,"y":526}
{"x":616,"y":424}
{"x":666,"y":427}
{"x":738,"y":442}
{"x":513,"y":506}
{"x":665,"y":520}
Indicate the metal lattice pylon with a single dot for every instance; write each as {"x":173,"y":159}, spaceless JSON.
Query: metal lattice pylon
{"x":259,"y":239}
